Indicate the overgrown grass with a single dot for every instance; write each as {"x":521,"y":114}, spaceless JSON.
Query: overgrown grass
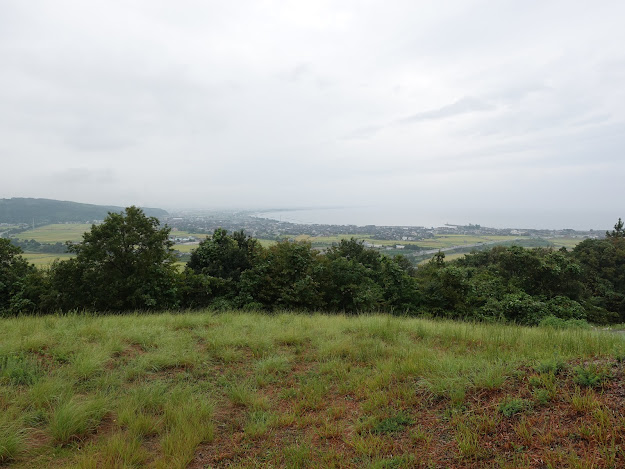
{"x":291,"y":390}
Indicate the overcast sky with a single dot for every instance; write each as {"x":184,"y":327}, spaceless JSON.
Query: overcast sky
{"x":486,"y":108}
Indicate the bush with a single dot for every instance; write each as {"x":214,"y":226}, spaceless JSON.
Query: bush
{"x":565,"y":308}
{"x":559,"y":323}
{"x":523,"y":309}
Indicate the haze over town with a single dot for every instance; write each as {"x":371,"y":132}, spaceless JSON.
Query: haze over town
{"x":503,"y":114}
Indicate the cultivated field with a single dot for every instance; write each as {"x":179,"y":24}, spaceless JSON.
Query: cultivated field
{"x":439,"y":242}
{"x":57,"y":233}
{"x":249,"y":390}
{"x":43,"y":259}
{"x":568,"y":243}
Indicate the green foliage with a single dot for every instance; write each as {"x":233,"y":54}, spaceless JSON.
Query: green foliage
{"x":603,"y":265}
{"x":285,"y":276}
{"x":559,"y":323}
{"x":225,"y":256}
{"x":511,"y":406}
{"x":541,"y":396}
{"x":11,"y":443}
{"x":124,"y":264}
{"x":127,"y":263}
{"x":553,"y":365}
{"x":617,"y":232}
{"x":18,"y":369}
{"x":76,"y":418}
{"x":393,"y":424}
{"x":589,"y":376}
{"x":21,"y":285}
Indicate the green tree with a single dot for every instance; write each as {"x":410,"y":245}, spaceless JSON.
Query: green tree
{"x":126,"y":263}
{"x":617,"y":232}
{"x":286,"y":276}
{"x":215,"y":267}
{"x":603,"y":266}
{"x":225,"y":256}
{"x":21,"y":285}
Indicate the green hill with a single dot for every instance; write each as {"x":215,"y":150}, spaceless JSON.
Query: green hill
{"x":43,"y":211}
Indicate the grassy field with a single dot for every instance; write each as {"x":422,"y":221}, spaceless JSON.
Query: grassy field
{"x":568,"y":243}
{"x":439,"y":242}
{"x":44,"y":260}
{"x":185,"y":248}
{"x":57,"y":233}
{"x":249,"y":390}
{"x":184,"y":234}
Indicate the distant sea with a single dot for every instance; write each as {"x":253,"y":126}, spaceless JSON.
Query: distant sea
{"x":398,"y":216}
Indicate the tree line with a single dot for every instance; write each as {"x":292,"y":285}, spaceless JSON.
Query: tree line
{"x":128,"y":264}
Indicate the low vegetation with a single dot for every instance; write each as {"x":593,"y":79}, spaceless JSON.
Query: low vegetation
{"x":236,"y":389}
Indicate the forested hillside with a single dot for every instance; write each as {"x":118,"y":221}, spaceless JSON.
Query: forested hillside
{"x":44,"y":211}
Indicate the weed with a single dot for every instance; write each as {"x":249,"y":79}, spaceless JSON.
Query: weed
{"x":311,"y":394}
{"x":258,"y":423}
{"x":330,"y":430}
{"x":553,"y":365}
{"x":396,"y":462}
{"x":297,"y":456}
{"x":242,"y":394}
{"x":421,"y":435}
{"x":511,"y":406}
{"x":589,"y":376}
{"x":18,"y":369}
{"x":541,"y":396}
{"x":468,"y":441}
{"x":392,"y":424}
{"x":273,"y":365}
{"x":524,"y":431}
{"x":484,"y":423}
{"x":584,"y":402}
{"x":369,"y":445}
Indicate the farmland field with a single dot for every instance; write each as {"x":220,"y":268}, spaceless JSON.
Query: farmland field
{"x":56,"y":233}
{"x":185,"y":234}
{"x":185,"y":248}
{"x":43,"y":259}
{"x":289,"y":390}
{"x":439,"y":242}
{"x":568,"y":243}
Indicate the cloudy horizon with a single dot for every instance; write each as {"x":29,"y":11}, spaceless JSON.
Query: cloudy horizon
{"x":489,"y":109}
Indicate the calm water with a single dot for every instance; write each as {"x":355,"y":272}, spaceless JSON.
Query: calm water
{"x":397,"y":216}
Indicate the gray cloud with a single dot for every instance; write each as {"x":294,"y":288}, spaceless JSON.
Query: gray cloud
{"x":86,"y":176}
{"x":496,"y":106}
{"x":462,"y":106}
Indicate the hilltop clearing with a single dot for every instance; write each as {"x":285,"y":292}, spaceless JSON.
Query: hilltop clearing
{"x":290,"y":390}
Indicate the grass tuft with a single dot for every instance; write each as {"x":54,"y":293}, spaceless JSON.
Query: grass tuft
{"x":11,"y":443}
{"x":76,"y":418}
